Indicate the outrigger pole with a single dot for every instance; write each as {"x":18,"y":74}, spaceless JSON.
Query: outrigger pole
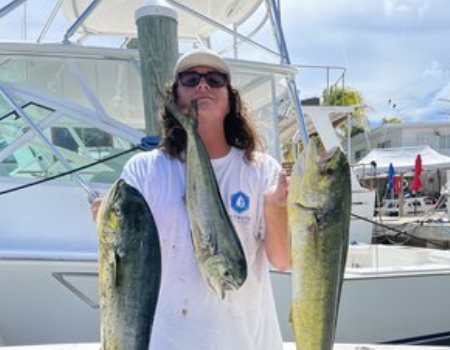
{"x":275,"y":17}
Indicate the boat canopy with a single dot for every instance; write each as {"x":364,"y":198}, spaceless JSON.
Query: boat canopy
{"x":116,"y":17}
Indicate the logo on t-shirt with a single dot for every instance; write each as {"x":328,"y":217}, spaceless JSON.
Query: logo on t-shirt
{"x":240,"y":202}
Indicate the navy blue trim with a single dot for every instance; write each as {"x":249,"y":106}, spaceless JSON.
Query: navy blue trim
{"x":149,"y":142}
{"x":420,"y":339}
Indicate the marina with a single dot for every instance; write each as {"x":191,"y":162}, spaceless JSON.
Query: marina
{"x":66,"y":104}
{"x":428,"y":232}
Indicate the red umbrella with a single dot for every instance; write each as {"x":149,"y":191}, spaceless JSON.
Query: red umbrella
{"x":417,"y":184}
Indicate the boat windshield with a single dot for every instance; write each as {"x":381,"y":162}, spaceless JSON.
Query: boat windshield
{"x":57,"y":114}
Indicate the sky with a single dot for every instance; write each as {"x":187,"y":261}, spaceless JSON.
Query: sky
{"x":396,"y":52}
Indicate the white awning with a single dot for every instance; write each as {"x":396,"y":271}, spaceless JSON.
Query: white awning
{"x":403,"y":159}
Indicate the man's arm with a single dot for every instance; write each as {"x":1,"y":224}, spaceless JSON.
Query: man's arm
{"x":277,"y":241}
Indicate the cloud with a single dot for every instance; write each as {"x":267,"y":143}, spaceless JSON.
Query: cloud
{"x":393,"y":8}
{"x":391,"y":49}
{"x":435,"y":70}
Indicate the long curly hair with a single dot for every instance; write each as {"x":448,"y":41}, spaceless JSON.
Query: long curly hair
{"x":240,"y":130}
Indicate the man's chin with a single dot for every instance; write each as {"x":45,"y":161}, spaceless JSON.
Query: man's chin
{"x":204,"y":101}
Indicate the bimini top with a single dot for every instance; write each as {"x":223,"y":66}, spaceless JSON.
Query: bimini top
{"x":117,"y":17}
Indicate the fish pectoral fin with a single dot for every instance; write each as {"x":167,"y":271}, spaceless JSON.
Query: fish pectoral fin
{"x":318,"y":213}
{"x":320,"y":217}
{"x":115,"y":262}
{"x":314,"y":230}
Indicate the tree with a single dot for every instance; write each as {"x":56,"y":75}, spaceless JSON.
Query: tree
{"x":339,"y":96}
{"x":392,"y":120}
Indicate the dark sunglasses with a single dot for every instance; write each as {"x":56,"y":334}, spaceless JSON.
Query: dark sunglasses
{"x":214,"y":79}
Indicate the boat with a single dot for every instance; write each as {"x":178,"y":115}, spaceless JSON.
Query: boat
{"x":390,"y":295}
{"x":68,"y":100}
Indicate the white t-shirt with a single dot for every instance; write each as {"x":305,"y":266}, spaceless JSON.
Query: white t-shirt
{"x":189,"y":316}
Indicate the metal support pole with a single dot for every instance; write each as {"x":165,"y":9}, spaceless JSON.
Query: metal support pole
{"x":9,"y":99}
{"x":86,"y":89}
{"x":5,"y":10}
{"x":50,"y":20}
{"x":273,"y":87}
{"x":400,"y":197}
{"x":221,"y":27}
{"x":278,"y":30}
{"x":349,"y":137}
{"x":80,"y":20}
{"x":158,"y":49}
{"x":235,"y":42}
{"x":329,"y":89}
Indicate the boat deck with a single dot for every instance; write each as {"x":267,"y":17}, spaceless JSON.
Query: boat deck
{"x":428,"y":231}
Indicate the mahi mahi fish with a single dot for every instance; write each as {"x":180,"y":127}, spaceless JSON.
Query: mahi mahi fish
{"x":129,"y":269}
{"x":216,"y":243}
{"x":319,"y":203}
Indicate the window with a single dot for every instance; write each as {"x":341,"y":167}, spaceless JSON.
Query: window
{"x":444,"y":141}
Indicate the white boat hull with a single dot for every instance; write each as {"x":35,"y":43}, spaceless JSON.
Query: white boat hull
{"x":35,"y":308}
{"x":54,"y":301}
{"x":408,"y":309}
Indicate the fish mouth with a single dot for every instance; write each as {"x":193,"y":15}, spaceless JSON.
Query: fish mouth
{"x":223,"y":286}
{"x":324,"y":157}
{"x":231,"y":284}
{"x":319,"y":154}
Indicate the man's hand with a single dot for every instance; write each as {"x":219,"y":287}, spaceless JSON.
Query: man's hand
{"x":276,"y":195}
{"x":95,"y":206}
{"x":276,"y":240}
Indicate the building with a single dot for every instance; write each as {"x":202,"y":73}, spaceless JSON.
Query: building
{"x":436,"y":135}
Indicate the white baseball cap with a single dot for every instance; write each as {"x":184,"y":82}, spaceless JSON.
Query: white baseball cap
{"x":202,"y":58}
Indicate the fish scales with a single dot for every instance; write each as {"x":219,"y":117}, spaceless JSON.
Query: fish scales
{"x":216,"y":243}
{"x":319,"y":204}
{"x":129,"y":269}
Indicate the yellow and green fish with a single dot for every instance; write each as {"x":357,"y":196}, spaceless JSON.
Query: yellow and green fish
{"x":319,"y":204}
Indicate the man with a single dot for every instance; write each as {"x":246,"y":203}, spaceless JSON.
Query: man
{"x":254,"y":190}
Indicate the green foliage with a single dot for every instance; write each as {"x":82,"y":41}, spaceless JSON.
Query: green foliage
{"x":338,"y":96}
{"x":392,"y":120}
{"x":356,"y":129}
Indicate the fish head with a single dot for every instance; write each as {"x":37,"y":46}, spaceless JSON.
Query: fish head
{"x":110,"y":213}
{"x":320,"y":174}
{"x":225,"y":274}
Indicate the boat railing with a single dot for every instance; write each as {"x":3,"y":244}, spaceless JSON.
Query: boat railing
{"x":331,"y":79}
